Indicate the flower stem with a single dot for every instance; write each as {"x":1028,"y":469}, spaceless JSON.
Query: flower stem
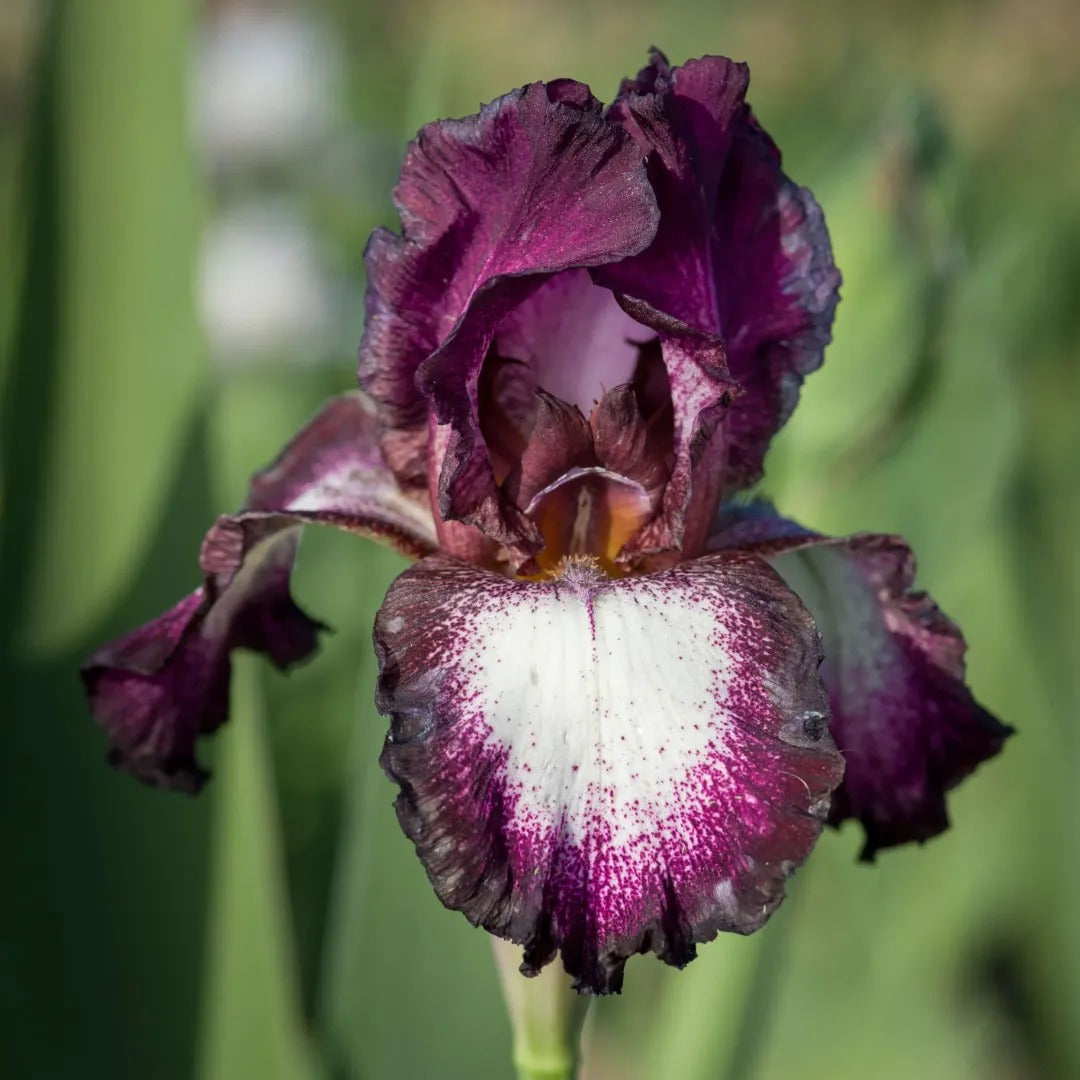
{"x":546,"y":1016}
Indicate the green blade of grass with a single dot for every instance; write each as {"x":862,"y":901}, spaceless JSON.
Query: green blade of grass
{"x":107,"y":363}
{"x":252,"y":1024}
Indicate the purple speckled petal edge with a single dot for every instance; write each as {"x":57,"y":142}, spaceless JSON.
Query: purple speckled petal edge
{"x":599,"y":767}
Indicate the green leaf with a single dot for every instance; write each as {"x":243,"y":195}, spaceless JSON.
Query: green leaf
{"x":107,"y":903}
{"x":108,"y":363}
{"x":252,"y":1023}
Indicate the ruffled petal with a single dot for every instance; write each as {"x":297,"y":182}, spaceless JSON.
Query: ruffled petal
{"x":600,"y":767}
{"x":741,"y":251}
{"x":491,"y":205}
{"x":156,"y":690}
{"x":903,"y":718}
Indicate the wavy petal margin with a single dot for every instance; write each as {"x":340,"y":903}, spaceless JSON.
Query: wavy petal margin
{"x":156,"y":690}
{"x":600,"y":767}
{"x":741,"y":252}
{"x":491,"y":206}
{"x":905,"y":721}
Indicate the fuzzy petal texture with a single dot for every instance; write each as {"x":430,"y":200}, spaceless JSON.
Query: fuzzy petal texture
{"x":492,"y":205}
{"x":905,"y":721}
{"x":156,"y":690}
{"x":742,"y":252}
{"x":599,"y":767}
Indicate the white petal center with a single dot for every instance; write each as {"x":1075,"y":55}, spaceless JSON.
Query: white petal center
{"x":605,"y":698}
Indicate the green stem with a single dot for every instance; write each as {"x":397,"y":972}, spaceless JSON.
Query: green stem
{"x":546,"y":1016}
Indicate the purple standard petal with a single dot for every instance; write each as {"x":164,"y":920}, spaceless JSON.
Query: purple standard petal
{"x":536,"y":183}
{"x":903,"y":717}
{"x":599,"y":767}
{"x":741,"y":251}
{"x":156,"y":690}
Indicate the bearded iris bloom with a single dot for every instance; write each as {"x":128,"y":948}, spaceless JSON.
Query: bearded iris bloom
{"x":611,"y":721}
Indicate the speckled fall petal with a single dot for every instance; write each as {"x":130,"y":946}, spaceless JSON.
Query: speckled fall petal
{"x":905,"y":721}
{"x":599,"y":767}
{"x":159,"y":688}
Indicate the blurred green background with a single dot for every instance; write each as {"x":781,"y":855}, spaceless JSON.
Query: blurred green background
{"x":184,"y":196}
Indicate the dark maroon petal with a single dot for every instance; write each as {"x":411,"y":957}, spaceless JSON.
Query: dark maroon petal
{"x":141,"y":699}
{"x":644,"y":82}
{"x":741,"y":251}
{"x":634,"y":441}
{"x":687,"y":125}
{"x":572,"y":92}
{"x":598,"y":767}
{"x":156,"y":690}
{"x":701,"y":392}
{"x":903,"y":717}
{"x":536,"y":183}
{"x":626,"y":443}
{"x":461,"y":470}
{"x":778,"y":325}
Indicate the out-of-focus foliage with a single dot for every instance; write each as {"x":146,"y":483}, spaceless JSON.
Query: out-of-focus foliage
{"x":279,"y":926}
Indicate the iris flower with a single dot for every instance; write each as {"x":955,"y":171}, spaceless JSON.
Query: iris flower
{"x":610,"y":721}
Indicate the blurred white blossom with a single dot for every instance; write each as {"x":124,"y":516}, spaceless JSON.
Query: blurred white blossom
{"x":266,"y":86}
{"x":263,"y":290}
